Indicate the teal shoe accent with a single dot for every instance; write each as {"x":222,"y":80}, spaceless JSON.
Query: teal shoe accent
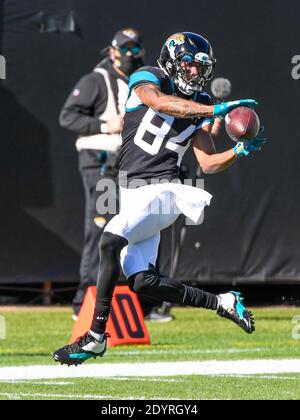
{"x":240,"y":308}
{"x":82,"y":356}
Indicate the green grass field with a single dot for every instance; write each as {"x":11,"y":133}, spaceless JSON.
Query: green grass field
{"x":195,"y":335}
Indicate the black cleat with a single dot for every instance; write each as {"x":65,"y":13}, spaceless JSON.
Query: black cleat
{"x":82,"y":349}
{"x":231,"y":307}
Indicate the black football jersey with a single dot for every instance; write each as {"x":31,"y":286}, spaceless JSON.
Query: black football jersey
{"x":153,"y":144}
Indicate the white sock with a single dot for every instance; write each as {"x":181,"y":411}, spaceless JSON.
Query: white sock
{"x":95,"y":335}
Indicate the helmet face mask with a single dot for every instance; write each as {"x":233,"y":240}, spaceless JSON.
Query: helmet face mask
{"x":181,"y":51}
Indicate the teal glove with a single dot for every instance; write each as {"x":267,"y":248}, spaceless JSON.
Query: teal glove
{"x":254,"y":145}
{"x":222,"y":109}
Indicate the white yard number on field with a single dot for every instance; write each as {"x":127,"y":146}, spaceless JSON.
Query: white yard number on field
{"x":2,"y":67}
{"x":296,"y":328}
{"x":296,"y":68}
{"x":159,"y":133}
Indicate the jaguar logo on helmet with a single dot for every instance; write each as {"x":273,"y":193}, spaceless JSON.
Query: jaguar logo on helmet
{"x":130,"y":33}
{"x":192,"y":43}
{"x":204,"y":58}
{"x":174,"y":41}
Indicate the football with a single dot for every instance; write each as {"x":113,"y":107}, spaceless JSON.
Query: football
{"x":242,"y":124}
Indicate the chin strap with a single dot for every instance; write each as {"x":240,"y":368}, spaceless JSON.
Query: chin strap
{"x":182,"y":85}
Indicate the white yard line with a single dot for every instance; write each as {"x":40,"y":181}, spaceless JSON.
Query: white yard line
{"x":178,"y":351}
{"x":153,"y":369}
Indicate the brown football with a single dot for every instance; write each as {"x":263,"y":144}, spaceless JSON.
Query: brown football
{"x":242,"y":124}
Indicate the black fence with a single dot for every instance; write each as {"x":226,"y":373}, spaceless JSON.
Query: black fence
{"x":251,"y":231}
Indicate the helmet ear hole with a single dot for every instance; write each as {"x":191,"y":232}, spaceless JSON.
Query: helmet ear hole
{"x":169,"y":65}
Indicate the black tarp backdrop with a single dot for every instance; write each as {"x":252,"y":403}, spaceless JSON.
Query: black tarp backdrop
{"x":251,"y":230}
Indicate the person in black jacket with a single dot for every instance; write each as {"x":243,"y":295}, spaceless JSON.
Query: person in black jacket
{"x":94,"y":111}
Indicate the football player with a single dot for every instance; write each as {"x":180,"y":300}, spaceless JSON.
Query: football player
{"x":166,"y":111}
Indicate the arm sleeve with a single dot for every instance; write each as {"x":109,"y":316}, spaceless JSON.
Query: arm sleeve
{"x":205,"y":121}
{"x":78,"y":113}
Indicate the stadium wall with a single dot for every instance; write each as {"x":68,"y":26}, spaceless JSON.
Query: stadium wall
{"x":251,"y":230}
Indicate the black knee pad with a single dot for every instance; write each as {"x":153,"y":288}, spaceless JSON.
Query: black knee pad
{"x":110,"y":242}
{"x":143,"y":281}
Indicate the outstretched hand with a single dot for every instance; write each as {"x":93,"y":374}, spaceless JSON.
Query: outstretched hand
{"x":224,"y":108}
{"x":256,"y":143}
{"x":253,"y":145}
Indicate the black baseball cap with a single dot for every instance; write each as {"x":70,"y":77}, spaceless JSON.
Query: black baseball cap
{"x":126,"y":35}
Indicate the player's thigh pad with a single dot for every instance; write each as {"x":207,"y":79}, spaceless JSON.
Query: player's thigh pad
{"x":144,"y":213}
{"x":137,"y":257}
